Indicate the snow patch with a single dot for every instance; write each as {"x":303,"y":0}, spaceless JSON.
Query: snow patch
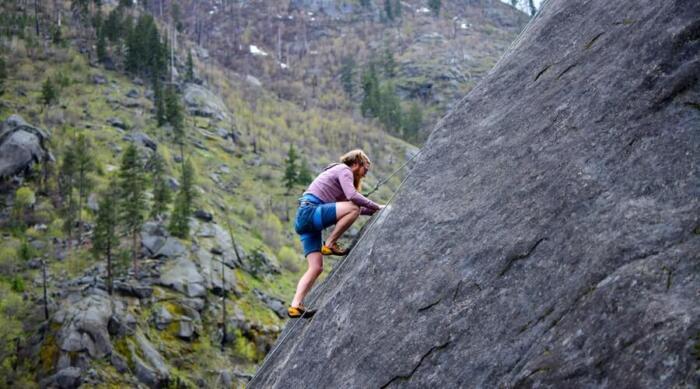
{"x":256,"y":51}
{"x":423,"y":10}
{"x":284,"y":65}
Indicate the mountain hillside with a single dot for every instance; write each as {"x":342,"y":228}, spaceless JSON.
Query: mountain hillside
{"x":309,"y":51}
{"x":548,"y":236}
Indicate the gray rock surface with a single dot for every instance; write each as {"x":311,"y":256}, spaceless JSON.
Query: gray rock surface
{"x":84,"y":326}
{"x":276,"y":305}
{"x":117,"y":123}
{"x":202,"y":102}
{"x":183,"y":276}
{"x":21,"y":146}
{"x":68,"y":378}
{"x":548,"y":234}
{"x":142,"y":139}
{"x":152,"y":356}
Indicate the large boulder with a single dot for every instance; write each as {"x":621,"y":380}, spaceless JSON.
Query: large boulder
{"x":21,"y":146}
{"x":200,"y":101}
{"x":68,"y":378}
{"x":548,"y":235}
{"x":183,"y":276}
{"x":85,"y":325}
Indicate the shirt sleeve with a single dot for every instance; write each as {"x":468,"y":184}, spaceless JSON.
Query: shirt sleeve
{"x":346,"y":183}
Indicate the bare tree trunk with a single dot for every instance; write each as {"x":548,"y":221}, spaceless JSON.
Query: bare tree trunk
{"x":46,"y":300}
{"x":223,"y":304}
{"x":109,"y":268}
{"x":133,"y":253}
{"x":80,"y":209}
{"x":36,"y":17}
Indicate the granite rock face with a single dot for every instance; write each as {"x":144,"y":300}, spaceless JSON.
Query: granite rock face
{"x":548,"y":235}
{"x":21,"y":146}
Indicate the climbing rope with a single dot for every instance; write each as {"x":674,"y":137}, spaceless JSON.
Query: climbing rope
{"x":382,"y":182}
{"x":520,"y":36}
{"x":321,"y":287}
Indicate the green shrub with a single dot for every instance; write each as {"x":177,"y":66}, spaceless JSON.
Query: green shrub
{"x":270,"y":228}
{"x":289,"y":259}
{"x":18,"y":284}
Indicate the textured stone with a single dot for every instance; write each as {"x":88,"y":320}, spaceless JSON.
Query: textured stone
{"x":85,"y":326}
{"x":21,"y":146}
{"x":547,"y":235}
{"x":276,"y":305}
{"x":182,"y":275}
{"x":68,"y":378}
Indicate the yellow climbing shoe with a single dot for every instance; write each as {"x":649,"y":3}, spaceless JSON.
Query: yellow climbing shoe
{"x":334,"y":249}
{"x":300,"y":311}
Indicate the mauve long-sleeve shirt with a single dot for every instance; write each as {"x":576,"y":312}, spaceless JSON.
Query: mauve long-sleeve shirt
{"x":336,"y":184}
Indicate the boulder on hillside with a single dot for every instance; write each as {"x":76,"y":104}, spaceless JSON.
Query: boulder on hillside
{"x":85,"y":326}
{"x":276,"y":305}
{"x":199,"y":101}
{"x":547,"y":236}
{"x":260,"y":263}
{"x":68,"y":378}
{"x":21,"y":146}
{"x":141,"y":139}
{"x":183,"y":276}
{"x":117,"y":123}
{"x":211,"y":270}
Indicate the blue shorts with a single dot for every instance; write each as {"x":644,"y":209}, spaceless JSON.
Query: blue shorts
{"x":312,"y":217}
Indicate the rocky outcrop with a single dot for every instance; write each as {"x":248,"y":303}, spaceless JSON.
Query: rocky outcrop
{"x":21,"y":146}
{"x":202,"y":102}
{"x":183,"y":276}
{"x":84,"y":326}
{"x":548,"y":235}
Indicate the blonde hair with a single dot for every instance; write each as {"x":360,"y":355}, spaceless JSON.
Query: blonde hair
{"x":356,"y":156}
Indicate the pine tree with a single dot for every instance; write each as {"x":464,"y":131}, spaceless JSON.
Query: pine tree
{"x":161,"y":192}
{"x":101,"y":46}
{"x":84,"y":164}
{"x":304,"y":177}
{"x":49,"y":92}
{"x":132,"y":197}
{"x":159,"y":102}
{"x":179,"y":220}
{"x":177,"y":17}
{"x":3,"y":75}
{"x":105,"y":239}
{"x":189,"y":76}
{"x":66,"y":185}
{"x":412,"y":122}
{"x":113,"y":27}
{"x":388,"y":11}
{"x":370,"y":88}
{"x":390,"y":108}
{"x":434,"y":6}
{"x":290,"y":171}
{"x":389,"y":63}
{"x":346,"y":76}
{"x":397,"y":9}
{"x":174,"y":115}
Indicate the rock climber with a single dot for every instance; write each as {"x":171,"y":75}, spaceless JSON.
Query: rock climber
{"x":332,"y":198}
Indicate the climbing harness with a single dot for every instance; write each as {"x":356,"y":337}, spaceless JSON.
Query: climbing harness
{"x":321,"y":287}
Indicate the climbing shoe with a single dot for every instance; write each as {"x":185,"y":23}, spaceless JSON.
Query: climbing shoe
{"x":300,"y":311}
{"x":334,"y":249}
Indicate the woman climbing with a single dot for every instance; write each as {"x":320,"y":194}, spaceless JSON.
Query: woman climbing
{"x":332,"y":198}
